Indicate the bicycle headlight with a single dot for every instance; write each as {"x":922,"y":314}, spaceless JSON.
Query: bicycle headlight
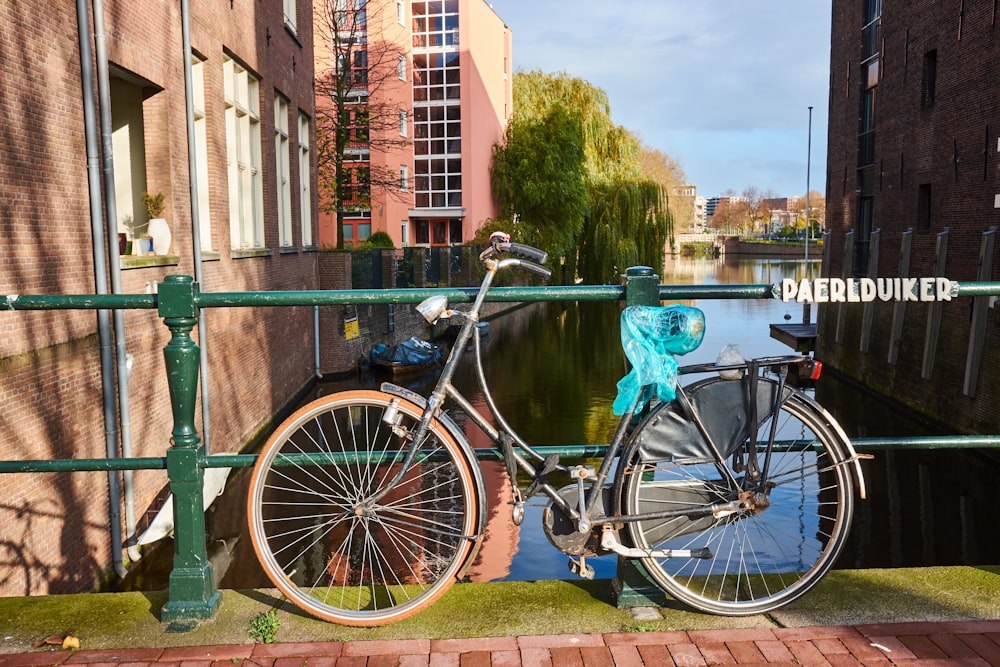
{"x":432,"y":307}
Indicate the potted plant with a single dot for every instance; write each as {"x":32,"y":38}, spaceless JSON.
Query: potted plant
{"x":157,"y":227}
{"x":136,"y":237}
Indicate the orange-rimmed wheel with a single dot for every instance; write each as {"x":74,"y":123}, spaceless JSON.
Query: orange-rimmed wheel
{"x":330,"y":536}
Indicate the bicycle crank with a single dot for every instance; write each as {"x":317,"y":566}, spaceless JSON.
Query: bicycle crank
{"x":611,"y":543}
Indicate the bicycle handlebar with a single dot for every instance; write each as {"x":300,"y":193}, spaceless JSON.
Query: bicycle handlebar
{"x":500,"y":242}
{"x":534,"y":254}
{"x":527,"y":266}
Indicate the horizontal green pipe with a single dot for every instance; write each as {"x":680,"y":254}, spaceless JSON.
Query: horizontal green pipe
{"x":84,"y":465}
{"x":375,"y":296}
{"x":456,"y":295}
{"x":487,"y":453}
{"x":77,"y":301}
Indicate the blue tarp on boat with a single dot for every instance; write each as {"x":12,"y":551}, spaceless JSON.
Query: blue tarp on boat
{"x":409,"y":356}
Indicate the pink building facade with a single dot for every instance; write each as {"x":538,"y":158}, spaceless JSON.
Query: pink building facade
{"x":454,"y":101}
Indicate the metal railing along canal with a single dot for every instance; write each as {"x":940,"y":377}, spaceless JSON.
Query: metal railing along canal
{"x":192,"y":595}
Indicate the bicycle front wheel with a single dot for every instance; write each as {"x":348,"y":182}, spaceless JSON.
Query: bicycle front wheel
{"x":751,"y":561}
{"x":338,"y":533}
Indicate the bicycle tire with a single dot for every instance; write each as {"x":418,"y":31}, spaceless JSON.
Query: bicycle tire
{"x":758,"y":561}
{"x":344,"y":560}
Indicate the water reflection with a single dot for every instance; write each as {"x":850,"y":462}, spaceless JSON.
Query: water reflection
{"x":553,"y":369}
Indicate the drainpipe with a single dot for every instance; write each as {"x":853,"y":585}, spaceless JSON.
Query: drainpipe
{"x":103,"y":316}
{"x":111,"y":209}
{"x":199,"y":274}
{"x":319,"y":371}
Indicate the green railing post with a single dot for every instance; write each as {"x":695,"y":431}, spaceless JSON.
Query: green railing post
{"x":642,"y":286}
{"x":632,"y":586}
{"x":192,"y":595}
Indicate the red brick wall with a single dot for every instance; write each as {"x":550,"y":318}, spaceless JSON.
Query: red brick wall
{"x":54,"y":528}
{"x":953,"y":147}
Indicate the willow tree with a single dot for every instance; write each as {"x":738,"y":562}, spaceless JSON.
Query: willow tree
{"x":614,"y":215}
{"x":539,"y":180}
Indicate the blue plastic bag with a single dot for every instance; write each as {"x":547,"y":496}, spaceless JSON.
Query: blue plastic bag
{"x":651,"y":336}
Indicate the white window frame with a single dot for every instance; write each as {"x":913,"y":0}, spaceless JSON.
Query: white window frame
{"x":243,"y":155}
{"x":404,"y":231}
{"x":401,"y":12}
{"x":403,"y":123}
{"x":201,"y":153}
{"x":290,"y":11}
{"x":401,"y":66}
{"x":283,"y":171}
{"x":305,"y":180}
{"x":404,"y":178}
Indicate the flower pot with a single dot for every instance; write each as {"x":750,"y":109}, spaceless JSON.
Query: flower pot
{"x":122,"y":243}
{"x":160,"y":231}
{"x":142,"y":246}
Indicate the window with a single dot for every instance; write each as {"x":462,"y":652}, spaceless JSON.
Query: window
{"x":401,"y":12}
{"x":128,"y":151}
{"x":305,"y":173}
{"x":423,"y":232}
{"x":359,"y":69}
{"x":201,"y":153}
{"x":281,"y":159}
{"x":924,"y":206}
{"x":404,"y":177}
{"x":403,"y":131}
{"x":289,"y":9}
{"x":929,"y":82}
{"x":404,"y":229}
{"x":401,"y":66}
{"x":357,"y":228}
{"x":438,"y":183}
{"x":435,"y":24}
{"x":243,"y":156}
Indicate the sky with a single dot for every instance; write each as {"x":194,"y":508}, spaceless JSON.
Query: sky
{"x":722,"y":86}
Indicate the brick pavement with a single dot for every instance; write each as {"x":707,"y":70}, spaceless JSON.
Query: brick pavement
{"x":921,"y":643}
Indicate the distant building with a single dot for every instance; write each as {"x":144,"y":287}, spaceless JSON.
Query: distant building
{"x":913,"y":190}
{"x":722,"y":206}
{"x":687,"y":195}
{"x":783,"y":212}
{"x":454,"y":102}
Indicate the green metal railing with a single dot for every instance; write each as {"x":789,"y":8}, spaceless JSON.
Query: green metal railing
{"x":192,"y":595}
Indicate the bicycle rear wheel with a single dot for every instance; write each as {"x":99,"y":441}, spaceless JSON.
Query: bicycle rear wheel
{"x":325,"y":538}
{"x":761,"y":558}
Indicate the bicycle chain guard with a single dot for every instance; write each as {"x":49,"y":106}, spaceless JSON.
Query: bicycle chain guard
{"x":561,"y":530}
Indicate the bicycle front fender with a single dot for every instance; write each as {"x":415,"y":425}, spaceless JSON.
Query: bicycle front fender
{"x":470,"y":455}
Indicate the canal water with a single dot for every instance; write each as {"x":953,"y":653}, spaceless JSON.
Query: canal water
{"x":553,"y":369}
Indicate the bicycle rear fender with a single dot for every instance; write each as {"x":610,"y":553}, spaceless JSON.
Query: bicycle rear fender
{"x":456,"y":432}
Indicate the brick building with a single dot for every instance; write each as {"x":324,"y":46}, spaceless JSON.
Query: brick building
{"x":912,"y":180}
{"x":252,"y":72}
{"x":444,"y":70}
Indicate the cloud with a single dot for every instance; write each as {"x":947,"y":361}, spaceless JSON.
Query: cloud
{"x":682,"y":74}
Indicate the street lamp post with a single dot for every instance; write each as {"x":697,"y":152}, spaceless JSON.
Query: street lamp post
{"x":805,"y":305}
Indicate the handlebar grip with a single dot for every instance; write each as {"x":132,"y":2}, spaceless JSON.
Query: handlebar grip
{"x":533,"y":254}
{"x":534,"y":268}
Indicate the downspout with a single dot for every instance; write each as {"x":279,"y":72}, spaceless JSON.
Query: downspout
{"x":111,"y":209}
{"x":199,"y":273}
{"x":100,"y":279}
{"x":319,"y":370}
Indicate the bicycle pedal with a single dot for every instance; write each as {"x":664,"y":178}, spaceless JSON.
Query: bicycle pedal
{"x":517,"y":512}
{"x":581,"y":568}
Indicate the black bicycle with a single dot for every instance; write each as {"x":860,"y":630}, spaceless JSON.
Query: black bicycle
{"x":736,"y":495}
